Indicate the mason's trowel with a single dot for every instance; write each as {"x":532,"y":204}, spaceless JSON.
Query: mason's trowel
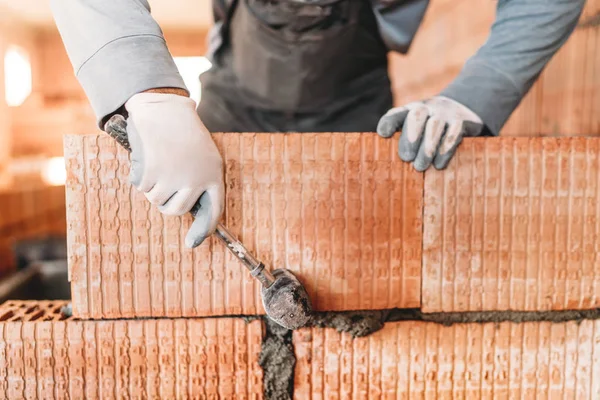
{"x":284,"y":298}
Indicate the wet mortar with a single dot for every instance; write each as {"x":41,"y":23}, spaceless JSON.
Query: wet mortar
{"x":277,"y":359}
{"x":590,"y":22}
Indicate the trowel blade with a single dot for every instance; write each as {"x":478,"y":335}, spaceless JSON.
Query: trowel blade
{"x":286,"y":300}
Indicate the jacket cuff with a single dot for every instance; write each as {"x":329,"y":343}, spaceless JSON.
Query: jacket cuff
{"x":489,"y":93}
{"x":124,"y":67}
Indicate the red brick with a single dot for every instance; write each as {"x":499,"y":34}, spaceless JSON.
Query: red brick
{"x":340,"y":210}
{"x":468,"y":361}
{"x":514,"y":224}
{"x":45,"y":355}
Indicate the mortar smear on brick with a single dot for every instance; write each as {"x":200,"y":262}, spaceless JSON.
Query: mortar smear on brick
{"x":514,"y":224}
{"x":151,"y":358}
{"x":467,"y":361}
{"x":339,"y":210}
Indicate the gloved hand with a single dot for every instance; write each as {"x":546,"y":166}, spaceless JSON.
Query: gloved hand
{"x":431,"y":130}
{"x":174,"y":160}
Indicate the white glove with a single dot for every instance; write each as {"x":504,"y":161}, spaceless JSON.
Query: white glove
{"x":431,"y":130}
{"x":174,"y":160}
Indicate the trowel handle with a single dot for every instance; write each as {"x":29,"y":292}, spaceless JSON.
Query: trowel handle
{"x":116,"y":127}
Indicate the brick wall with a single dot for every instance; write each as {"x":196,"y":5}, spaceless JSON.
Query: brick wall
{"x":46,"y":355}
{"x":29,"y":213}
{"x":507,"y":234}
{"x":510,"y":225}
{"x":509,"y":230}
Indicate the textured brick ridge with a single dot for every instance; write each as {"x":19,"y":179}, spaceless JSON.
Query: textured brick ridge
{"x":514,"y":224}
{"x":340,"y":210}
{"x":151,"y":358}
{"x":467,"y":361}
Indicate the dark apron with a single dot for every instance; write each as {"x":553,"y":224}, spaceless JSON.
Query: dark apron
{"x":291,"y":66}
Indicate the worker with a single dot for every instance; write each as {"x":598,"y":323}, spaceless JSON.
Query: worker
{"x":293,"y":65}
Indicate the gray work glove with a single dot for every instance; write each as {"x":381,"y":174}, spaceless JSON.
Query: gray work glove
{"x":431,"y":130}
{"x":174,"y":160}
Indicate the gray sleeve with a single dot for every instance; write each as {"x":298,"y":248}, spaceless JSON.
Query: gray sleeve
{"x":524,"y":37}
{"x":116,"y":48}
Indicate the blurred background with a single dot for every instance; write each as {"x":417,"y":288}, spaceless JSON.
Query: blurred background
{"x":40,"y":101}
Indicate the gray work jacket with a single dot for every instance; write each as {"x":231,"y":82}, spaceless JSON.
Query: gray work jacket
{"x":117,"y":49}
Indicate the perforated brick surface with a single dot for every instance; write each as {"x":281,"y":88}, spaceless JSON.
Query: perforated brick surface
{"x":408,"y":360}
{"x":340,"y":210}
{"x":44,"y":355}
{"x":514,"y":224}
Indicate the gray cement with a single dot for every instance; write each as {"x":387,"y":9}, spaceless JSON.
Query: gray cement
{"x":355,"y":323}
{"x":363,"y":323}
{"x":590,"y":22}
{"x":509,"y":316}
{"x":278,"y":361}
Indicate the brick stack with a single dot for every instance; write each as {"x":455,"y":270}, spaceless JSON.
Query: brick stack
{"x":45,"y":355}
{"x":511,"y":225}
{"x":28,"y":213}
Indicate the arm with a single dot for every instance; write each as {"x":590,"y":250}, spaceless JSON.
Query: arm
{"x":117,"y":50}
{"x":524,"y":37}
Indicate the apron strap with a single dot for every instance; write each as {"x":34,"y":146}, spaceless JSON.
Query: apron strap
{"x":219,"y":33}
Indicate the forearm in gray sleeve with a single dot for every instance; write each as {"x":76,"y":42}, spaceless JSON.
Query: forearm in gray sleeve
{"x":116,"y":48}
{"x":524,"y":37}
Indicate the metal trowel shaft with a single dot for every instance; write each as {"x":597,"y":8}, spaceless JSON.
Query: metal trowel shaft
{"x":256,"y":268}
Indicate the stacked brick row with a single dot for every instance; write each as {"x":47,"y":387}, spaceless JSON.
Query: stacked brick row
{"x":511,"y":224}
{"x":45,"y":355}
{"x":29,"y":213}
